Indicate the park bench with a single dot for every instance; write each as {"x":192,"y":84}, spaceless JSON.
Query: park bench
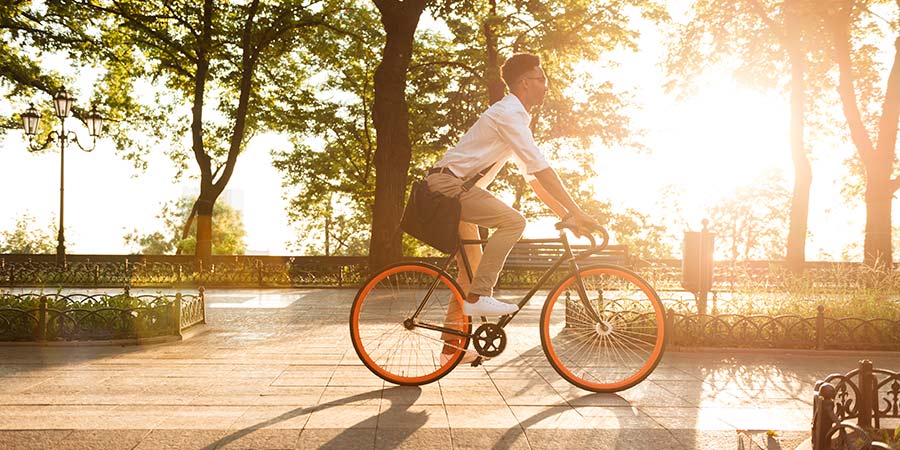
{"x":540,"y":256}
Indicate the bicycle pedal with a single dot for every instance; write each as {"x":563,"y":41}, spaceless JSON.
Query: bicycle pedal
{"x":479,"y":360}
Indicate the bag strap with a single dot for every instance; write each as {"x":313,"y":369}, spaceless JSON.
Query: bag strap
{"x":471,"y":181}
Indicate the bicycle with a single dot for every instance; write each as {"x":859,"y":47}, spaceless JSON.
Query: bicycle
{"x":602,"y":328}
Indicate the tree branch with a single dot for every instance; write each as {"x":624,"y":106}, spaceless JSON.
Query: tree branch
{"x":203,"y":47}
{"x":839,"y":23}
{"x":187,"y":25}
{"x":248,"y":65}
{"x":773,"y":27}
{"x":140,"y":21}
{"x":186,"y":230}
{"x":890,"y":113}
{"x":894,"y":184}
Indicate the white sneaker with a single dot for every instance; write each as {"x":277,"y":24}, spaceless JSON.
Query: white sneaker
{"x":488,"y":306}
{"x":468,"y":358}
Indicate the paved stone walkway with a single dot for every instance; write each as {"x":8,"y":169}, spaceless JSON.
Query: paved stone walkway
{"x":275,"y":370}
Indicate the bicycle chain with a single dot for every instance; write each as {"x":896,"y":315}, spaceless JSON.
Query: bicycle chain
{"x":480,"y":359}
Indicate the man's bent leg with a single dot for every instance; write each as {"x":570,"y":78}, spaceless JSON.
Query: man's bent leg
{"x":468,"y":231}
{"x":482,"y":208}
{"x":454,"y":311}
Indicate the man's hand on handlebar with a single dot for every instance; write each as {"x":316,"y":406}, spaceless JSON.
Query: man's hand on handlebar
{"x":584,"y":223}
{"x":585,"y":226}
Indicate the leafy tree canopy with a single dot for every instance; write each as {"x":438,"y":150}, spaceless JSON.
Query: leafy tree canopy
{"x":27,"y":238}
{"x":228,"y":231}
{"x":452,"y":79}
{"x":751,"y":224}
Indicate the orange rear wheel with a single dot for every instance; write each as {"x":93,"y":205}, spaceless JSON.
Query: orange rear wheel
{"x":390,"y":344}
{"x":619,"y":346}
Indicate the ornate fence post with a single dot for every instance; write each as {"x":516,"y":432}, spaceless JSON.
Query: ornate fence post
{"x":127,"y":273}
{"x":820,"y":327}
{"x":41,"y":332}
{"x":289,"y":270}
{"x":670,"y":326}
{"x":203,"y":303}
{"x":176,"y":315}
{"x":866,"y":394}
{"x":823,"y":403}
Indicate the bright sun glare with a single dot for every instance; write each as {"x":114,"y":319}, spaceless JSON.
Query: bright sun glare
{"x":706,"y":146}
{"x":702,"y":148}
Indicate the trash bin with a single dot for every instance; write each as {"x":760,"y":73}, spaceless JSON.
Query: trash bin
{"x":697,"y":264}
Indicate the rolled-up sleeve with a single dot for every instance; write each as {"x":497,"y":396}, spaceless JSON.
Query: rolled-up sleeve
{"x":513,"y":128}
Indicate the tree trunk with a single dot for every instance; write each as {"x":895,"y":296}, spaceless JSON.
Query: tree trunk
{"x":390,"y":116}
{"x":878,"y":248}
{"x":880,"y":188}
{"x":211,"y":189}
{"x":205,"y":201}
{"x":203,"y":250}
{"x":495,"y":86}
{"x":878,"y":158}
{"x":799,"y":216}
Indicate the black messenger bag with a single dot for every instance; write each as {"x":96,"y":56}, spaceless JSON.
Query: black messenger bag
{"x":432,"y":217}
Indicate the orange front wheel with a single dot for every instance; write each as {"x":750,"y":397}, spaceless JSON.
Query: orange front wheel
{"x":612,"y":339}
{"x":385,"y":331}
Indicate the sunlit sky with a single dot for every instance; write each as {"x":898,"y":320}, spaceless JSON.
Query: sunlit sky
{"x":707,"y":145}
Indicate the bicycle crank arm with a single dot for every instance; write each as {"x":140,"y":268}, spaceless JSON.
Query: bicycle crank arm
{"x":479,"y":360}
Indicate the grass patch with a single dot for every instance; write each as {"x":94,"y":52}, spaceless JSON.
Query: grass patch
{"x":845,"y":290}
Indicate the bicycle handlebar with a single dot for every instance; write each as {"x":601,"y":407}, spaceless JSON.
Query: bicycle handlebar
{"x":600,"y":231}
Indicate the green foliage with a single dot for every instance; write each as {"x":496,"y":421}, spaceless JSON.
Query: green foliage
{"x":328,"y":232}
{"x":35,"y":36}
{"x":644,"y":237}
{"x":28,"y":30}
{"x":172,"y":44}
{"x":27,"y":238}
{"x":228,"y":231}
{"x":892,"y":439}
{"x":60,"y":303}
{"x":329,"y":173}
{"x":845,"y":290}
{"x":572,"y":37}
{"x":448,"y":87}
{"x":752,"y":223}
{"x":85,"y":317}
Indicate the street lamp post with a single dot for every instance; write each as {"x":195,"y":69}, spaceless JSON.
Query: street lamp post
{"x":31,"y":119}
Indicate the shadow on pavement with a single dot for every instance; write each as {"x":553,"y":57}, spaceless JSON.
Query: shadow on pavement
{"x":398,"y":412}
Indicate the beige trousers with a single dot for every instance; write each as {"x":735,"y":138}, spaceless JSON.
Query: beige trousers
{"x":479,"y":207}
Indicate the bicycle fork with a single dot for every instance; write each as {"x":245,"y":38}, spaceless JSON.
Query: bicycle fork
{"x":585,"y":301}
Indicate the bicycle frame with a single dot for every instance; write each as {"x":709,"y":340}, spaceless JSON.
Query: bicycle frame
{"x":567,"y":256}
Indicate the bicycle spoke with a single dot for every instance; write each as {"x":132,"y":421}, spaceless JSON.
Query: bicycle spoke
{"x":614,"y":353}
{"x":379,"y":323}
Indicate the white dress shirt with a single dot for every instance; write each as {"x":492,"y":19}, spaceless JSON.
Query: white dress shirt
{"x":500,"y":134}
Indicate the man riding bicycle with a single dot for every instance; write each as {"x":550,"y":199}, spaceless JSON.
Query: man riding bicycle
{"x":501,"y":134}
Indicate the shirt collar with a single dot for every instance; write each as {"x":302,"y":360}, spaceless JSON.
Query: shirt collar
{"x":516,"y":104}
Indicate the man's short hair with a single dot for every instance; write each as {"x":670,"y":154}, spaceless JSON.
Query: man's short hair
{"x":518,"y":65}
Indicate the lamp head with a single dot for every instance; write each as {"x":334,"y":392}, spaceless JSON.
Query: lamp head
{"x":30,"y":121}
{"x":62,"y":103}
{"x":94,"y":122}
